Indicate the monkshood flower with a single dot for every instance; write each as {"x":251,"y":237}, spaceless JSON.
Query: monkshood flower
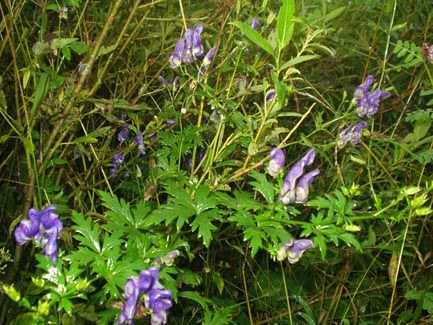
{"x":294,"y":249}
{"x":123,"y":134}
{"x":138,"y":140}
{"x":270,"y":95}
{"x":207,"y":60}
{"x":131,"y":293}
{"x":189,"y":48}
{"x":42,"y":226}
{"x":157,"y":298}
{"x":255,"y":23}
{"x":351,"y":134}
{"x":302,"y":188}
{"x":289,"y":192}
{"x":159,"y":301}
{"x":277,"y":161}
{"x":368,"y":101}
{"x":117,"y":161}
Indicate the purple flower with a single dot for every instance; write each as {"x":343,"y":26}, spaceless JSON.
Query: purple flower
{"x":131,"y":293}
{"x":278,"y":159}
{"x":138,"y":140}
{"x":294,"y":249}
{"x":123,"y":134}
{"x":188,"y":48}
{"x":26,"y":231}
{"x":42,"y":226}
{"x":270,"y":95}
{"x":368,"y":101}
{"x":157,"y":299}
{"x":117,"y":160}
{"x":195,"y":41}
{"x":159,"y":302}
{"x":351,"y":134}
{"x":302,"y":188}
{"x":207,"y":60}
{"x":148,"y":279}
{"x":175,"y":58}
{"x":289,"y":192}
{"x":255,"y":23}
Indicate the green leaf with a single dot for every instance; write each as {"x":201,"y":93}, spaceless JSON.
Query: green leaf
{"x":194,"y":296}
{"x":256,"y":237}
{"x":41,"y":90}
{"x":59,"y":43}
{"x":79,"y":47}
{"x":203,"y":224}
{"x":263,"y":186}
{"x":298,"y":60}
{"x":254,"y":36}
{"x":285,"y":23}
{"x":87,"y":232}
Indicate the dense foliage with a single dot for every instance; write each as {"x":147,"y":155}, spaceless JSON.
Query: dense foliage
{"x":216,"y":162}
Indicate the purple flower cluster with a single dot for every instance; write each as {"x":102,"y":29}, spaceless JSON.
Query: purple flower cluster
{"x":123,"y":134}
{"x":352,"y":134}
{"x":296,"y":183}
{"x":138,"y":140}
{"x":157,"y":299}
{"x":368,"y":101}
{"x":42,"y":226}
{"x":294,"y":249}
{"x":117,"y":161}
{"x":276,"y":162}
{"x":190,"y":48}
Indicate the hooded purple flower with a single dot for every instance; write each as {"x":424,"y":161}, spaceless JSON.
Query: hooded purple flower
{"x":148,"y":279}
{"x":117,"y":160}
{"x":294,"y":249}
{"x":289,"y":191}
{"x":26,"y":231}
{"x":188,"y":48}
{"x":176,"y":57}
{"x":131,"y":293}
{"x":270,"y":95}
{"x":123,"y":134}
{"x":138,"y":140}
{"x":42,"y":226}
{"x":207,"y":60}
{"x":368,"y":101}
{"x":255,"y":23}
{"x":278,"y":159}
{"x":302,"y":188}
{"x":351,"y":134}
{"x":157,"y":299}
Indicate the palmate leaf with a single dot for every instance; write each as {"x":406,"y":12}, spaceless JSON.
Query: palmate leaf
{"x":256,"y":237}
{"x":120,"y":212}
{"x":263,"y":186}
{"x":88,"y":232}
{"x":203,"y":224}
